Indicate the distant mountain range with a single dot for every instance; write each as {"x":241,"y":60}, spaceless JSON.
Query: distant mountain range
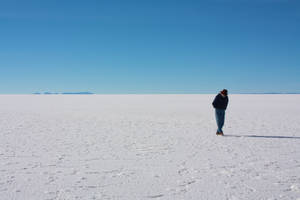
{"x":48,"y":93}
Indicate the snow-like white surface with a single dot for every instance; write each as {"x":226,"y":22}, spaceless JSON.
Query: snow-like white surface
{"x":148,"y":147}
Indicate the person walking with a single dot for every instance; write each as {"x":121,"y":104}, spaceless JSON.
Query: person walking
{"x":220,"y":104}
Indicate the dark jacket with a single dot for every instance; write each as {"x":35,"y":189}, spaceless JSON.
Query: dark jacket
{"x":220,"y":102}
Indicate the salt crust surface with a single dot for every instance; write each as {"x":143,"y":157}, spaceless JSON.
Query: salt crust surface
{"x":148,"y":147}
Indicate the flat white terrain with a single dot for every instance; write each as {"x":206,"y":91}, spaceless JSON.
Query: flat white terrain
{"x":148,"y":147}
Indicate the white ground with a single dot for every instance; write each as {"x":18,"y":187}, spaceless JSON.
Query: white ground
{"x":148,"y":147}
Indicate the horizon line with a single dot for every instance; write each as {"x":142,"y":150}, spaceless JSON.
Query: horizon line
{"x":49,"y":94}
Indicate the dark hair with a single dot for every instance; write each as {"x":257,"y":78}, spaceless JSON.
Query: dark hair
{"x":224,"y":92}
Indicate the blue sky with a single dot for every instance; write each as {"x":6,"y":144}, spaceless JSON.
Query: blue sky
{"x":149,"y":46}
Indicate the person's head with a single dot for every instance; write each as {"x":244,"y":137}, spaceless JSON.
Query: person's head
{"x":224,"y":92}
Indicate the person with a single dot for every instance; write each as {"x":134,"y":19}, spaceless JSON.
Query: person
{"x":220,"y":104}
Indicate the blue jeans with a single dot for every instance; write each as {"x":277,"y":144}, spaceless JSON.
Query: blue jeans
{"x":220,"y":117}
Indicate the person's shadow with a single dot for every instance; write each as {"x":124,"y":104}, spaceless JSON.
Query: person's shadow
{"x":264,"y":136}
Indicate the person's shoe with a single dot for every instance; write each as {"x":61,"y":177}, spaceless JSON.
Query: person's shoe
{"x":219,"y":133}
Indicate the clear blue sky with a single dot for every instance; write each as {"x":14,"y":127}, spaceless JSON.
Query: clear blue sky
{"x":149,"y":46}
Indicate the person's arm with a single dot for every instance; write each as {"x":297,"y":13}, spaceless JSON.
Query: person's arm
{"x":227,"y":101}
{"x":214,"y":103}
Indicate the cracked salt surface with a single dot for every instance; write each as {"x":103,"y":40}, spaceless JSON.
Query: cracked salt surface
{"x":148,"y":147}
